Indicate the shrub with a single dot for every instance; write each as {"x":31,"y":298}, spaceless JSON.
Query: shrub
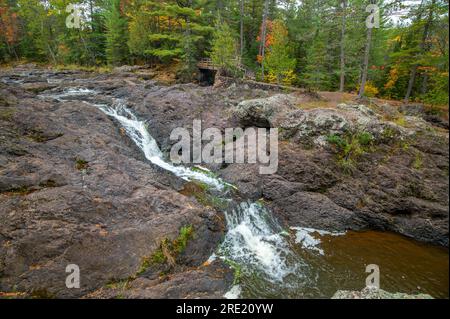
{"x":350,"y":146}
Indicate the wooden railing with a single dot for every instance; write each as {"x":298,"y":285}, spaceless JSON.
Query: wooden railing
{"x":208,"y":64}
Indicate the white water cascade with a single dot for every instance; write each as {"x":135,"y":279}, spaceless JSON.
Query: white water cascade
{"x":254,"y":242}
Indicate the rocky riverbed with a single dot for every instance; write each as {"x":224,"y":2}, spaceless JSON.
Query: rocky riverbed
{"x":75,"y":189}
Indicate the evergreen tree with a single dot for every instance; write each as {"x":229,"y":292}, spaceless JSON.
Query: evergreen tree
{"x":224,"y":48}
{"x":116,"y":33}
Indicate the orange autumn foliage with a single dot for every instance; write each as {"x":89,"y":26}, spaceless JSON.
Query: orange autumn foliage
{"x":8,"y":25}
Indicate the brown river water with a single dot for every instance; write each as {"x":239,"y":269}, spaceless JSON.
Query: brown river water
{"x":405,"y":265}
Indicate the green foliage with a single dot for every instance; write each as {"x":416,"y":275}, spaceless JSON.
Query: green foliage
{"x":7,"y":114}
{"x":278,"y":59}
{"x":81,"y":164}
{"x":418,"y":161}
{"x":168,"y":250}
{"x":303,"y":43}
{"x":350,"y":147}
{"x":116,"y":33}
{"x":224,"y":47}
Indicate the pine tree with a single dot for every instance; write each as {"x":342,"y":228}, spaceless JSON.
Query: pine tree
{"x":224,"y":48}
{"x":116,"y":33}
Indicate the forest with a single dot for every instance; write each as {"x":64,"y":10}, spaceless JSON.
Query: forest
{"x":315,"y":44}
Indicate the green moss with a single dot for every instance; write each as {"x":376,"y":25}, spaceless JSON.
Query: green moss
{"x":209,"y":200}
{"x":400,"y":121}
{"x":81,"y":164}
{"x":22,"y":190}
{"x":41,"y":293}
{"x":201,"y":192}
{"x":418,"y":161}
{"x":7,"y":114}
{"x":180,"y":243}
{"x":157,"y":258}
{"x":118,"y":284}
{"x":389,"y":133}
{"x":39,"y":137}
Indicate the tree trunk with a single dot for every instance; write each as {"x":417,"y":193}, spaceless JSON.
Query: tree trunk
{"x":242,"y":28}
{"x":424,"y":87}
{"x":365,"y":63}
{"x":412,"y":79}
{"x":91,"y":9}
{"x":342,"y":80}
{"x":422,"y":45}
{"x":263,"y":36}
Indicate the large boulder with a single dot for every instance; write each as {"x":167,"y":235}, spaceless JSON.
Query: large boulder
{"x":265,"y":112}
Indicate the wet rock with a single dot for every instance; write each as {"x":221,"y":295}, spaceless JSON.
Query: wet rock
{"x":373,"y":293}
{"x":110,"y":213}
{"x":208,"y":281}
{"x":105,"y":215}
{"x":305,"y":209}
{"x":38,"y":87}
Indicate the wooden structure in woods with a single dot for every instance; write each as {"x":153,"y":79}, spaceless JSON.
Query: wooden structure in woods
{"x":207,"y":64}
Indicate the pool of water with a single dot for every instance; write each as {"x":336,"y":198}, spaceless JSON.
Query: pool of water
{"x":405,"y":265}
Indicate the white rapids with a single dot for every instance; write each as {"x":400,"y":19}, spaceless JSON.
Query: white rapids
{"x":255,"y":239}
{"x":137,"y":130}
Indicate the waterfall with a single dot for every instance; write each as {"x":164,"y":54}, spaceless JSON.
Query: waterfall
{"x":255,"y":243}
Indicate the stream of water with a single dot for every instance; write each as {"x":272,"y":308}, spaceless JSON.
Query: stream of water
{"x":273,"y":262}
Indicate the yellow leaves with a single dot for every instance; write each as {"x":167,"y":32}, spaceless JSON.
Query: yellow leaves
{"x":289,"y":77}
{"x":271,"y":77}
{"x":370,"y":89}
{"x":393,"y":77}
{"x":398,"y":38}
{"x":427,"y":68}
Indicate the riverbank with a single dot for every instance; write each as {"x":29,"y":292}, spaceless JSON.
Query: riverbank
{"x":75,"y":189}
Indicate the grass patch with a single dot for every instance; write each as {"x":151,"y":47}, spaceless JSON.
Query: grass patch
{"x":42,"y":293}
{"x":168,"y":250}
{"x":200,"y":191}
{"x":81,"y":164}
{"x":237,"y":270}
{"x":418,"y":161}
{"x":22,"y":190}
{"x":74,"y":67}
{"x":350,"y":147}
{"x":400,"y":121}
